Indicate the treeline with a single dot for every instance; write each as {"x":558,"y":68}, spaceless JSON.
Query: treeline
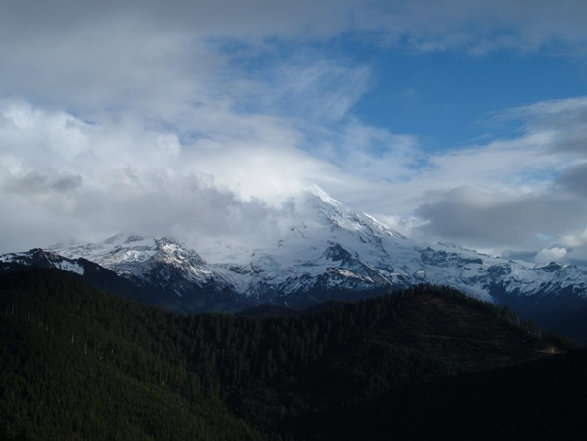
{"x":77,"y":363}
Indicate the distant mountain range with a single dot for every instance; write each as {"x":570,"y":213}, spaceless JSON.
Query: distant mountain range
{"x":329,"y":252}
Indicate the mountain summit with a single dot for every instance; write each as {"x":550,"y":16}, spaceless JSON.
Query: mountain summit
{"x":145,"y":258}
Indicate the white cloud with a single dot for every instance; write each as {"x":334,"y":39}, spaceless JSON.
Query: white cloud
{"x":62,"y":177}
{"x":480,"y":26}
{"x":305,"y":86}
{"x":547,"y":255}
{"x":136,"y":115}
{"x":157,"y":60}
{"x":507,"y":194}
{"x":575,"y":240}
{"x":365,"y":151}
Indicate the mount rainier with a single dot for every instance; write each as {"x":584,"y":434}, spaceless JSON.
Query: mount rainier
{"x":329,"y":251}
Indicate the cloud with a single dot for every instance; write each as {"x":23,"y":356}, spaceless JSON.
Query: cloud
{"x":366,"y":151}
{"x":306,"y":87}
{"x":576,"y":246}
{"x":155,"y":60}
{"x":574,"y":179}
{"x":198,"y":119}
{"x":548,"y":255}
{"x":36,"y":182}
{"x":480,"y":27}
{"x":61,"y":177}
{"x":532,"y":167}
{"x":481,"y":219}
{"x":562,"y":122}
{"x":205,"y":17}
{"x":508,"y":194}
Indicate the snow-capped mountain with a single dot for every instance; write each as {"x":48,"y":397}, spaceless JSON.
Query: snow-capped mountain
{"x":39,"y":258}
{"x":160,"y":261}
{"x":162,"y":270}
{"x":148,"y":270}
{"x":328,"y":250}
{"x":332,"y":248}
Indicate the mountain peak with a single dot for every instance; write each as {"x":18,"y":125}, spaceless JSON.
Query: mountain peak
{"x":174,"y":252}
{"x":40,"y":258}
{"x":339,"y":216}
{"x":129,"y":251}
{"x":323,"y":196}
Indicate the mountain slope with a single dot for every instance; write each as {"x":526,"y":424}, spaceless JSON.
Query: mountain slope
{"x":151,"y":271}
{"x":160,"y":260}
{"x":541,"y":401}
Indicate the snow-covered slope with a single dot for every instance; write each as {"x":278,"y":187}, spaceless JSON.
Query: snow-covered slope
{"x":137,"y":255}
{"x":333,"y":248}
{"x":159,"y":261}
{"x":43,"y":259}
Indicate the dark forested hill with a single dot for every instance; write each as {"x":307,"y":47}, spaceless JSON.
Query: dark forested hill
{"x":77,"y":363}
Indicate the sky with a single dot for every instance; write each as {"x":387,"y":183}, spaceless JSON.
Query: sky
{"x":450,"y":120}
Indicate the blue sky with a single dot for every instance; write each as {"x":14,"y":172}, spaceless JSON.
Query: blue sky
{"x":449,"y":120}
{"x":448,"y":98}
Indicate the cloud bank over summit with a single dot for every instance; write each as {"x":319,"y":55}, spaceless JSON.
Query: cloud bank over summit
{"x":201,"y":120}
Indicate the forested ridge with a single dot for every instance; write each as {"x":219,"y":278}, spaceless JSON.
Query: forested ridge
{"x":81,"y":364}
